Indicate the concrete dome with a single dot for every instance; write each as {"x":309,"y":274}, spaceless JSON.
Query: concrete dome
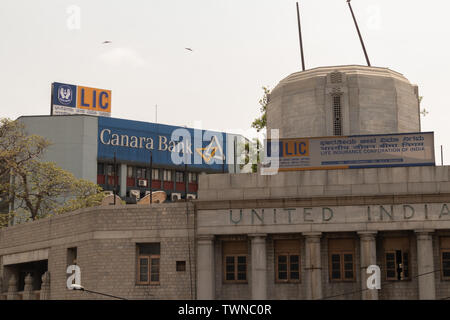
{"x":343,"y":100}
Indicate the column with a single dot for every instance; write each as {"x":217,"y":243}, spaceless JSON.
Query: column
{"x":313,"y":266}
{"x":425,"y":264}
{"x":205,"y":268}
{"x":259,"y":266}
{"x":368,"y":252}
{"x":123,"y":180}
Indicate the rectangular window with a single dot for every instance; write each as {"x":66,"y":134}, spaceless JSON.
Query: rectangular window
{"x":341,"y":259}
{"x":337,"y":116}
{"x":141,"y":173}
{"x":445,"y":257}
{"x":71,"y":256}
{"x":192,"y":177}
{"x":167,"y":175}
{"x":397,"y":258}
{"x":235,"y":261}
{"x":287,"y":260}
{"x":148,"y":263}
{"x":100,"y":168}
{"x":130,"y":172}
{"x":155,"y":174}
{"x":179,"y":176}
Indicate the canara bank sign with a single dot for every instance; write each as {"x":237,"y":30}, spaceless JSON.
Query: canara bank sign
{"x":134,"y":141}
{"x":108,"y":137}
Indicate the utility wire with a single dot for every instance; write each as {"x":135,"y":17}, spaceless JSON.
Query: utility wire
{"x":102,"y":294}
{"x":382,"y":284}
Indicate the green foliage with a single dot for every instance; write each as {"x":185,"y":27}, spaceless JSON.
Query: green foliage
{"x":252,"y":155}
{"x":37,"y":188}
{"x":261,"y":122}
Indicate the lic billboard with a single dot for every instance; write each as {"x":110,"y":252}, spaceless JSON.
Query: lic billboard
{"x":170,"y":146}
{"x":351,"y":152}
{"x":72,"y":99}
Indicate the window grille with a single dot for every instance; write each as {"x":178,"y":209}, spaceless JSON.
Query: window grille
{"x":337,"y":116}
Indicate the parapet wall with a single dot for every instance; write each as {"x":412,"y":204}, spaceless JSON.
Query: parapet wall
{"x":326,"y":183}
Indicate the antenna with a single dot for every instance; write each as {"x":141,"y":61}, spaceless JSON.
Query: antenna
{"x":359,"y":33}
{"x":300,"y":38}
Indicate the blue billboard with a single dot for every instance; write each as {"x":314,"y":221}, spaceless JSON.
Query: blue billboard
{"x":171,"y":146}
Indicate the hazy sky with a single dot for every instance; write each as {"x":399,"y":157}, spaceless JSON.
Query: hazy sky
{"x":238,"y":47}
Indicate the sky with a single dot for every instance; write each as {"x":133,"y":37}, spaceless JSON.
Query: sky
{"x":238,"y":47}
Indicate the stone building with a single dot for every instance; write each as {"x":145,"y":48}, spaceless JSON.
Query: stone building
{"x":293,"y":235}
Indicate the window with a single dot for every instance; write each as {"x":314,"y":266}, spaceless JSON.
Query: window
{"x":148,"y":263}
{"x":287,"y":260}
{"x":341,"y":259}
{"x":397,"y":258}
{"x":71,"y":256}
{"x":235,"y":261}
{"x":181,"y":266}
{"x":141,"y":173}
{"x":167,"y":175}
{"x":192,"y":177}
{"x":130,"y":172}
{"x":110,"y":169}
{"x":100,"y":168}
{"x":179,"y":176}
{"x":155,"y":174}
{"x":445,"y":257}
{"x":337,"y":117}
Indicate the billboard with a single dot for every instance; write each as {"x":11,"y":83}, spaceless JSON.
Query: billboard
{"x":171,"y":146}
{"x":350,"y":152}
{"x":72,"y":99}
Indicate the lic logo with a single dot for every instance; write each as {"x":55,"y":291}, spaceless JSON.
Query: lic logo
{"x":65,"y":94}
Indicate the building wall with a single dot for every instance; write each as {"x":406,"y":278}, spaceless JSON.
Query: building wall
{"x":106,"y":239}
{"x":73,"y":142}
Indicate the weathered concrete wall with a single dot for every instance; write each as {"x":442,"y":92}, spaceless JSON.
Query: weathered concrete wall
{"x":373,"y":101}
{"x":325,"y":183}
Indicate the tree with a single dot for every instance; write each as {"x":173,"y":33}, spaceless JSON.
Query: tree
{"x":261,"y":122}
{"x":36,"y":188}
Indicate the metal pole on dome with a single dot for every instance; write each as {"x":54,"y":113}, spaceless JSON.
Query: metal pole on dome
{"x":300,"y":38}
{"x":359,"y":33}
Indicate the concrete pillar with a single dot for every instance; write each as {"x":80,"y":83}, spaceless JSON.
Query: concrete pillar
{"x":425,"y":264}
{"x":313,"y":265}
{"x":123,"y":180}
{"x":259,"y":266}
{"x":368,"y":253}
{"x":206,"y":289}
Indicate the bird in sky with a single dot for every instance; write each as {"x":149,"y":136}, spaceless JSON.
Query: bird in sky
{"x":106,"y":42}
{"x":189,"y":49}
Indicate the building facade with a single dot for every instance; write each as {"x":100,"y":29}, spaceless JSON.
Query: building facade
{"x":87,"y":146}
{"x":307,"y":234}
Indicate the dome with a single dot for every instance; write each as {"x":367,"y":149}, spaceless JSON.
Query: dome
{"x":343,"y":100}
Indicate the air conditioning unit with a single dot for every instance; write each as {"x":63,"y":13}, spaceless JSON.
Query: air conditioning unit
{"x":175,"y":196}
{"x":142,"y":183}
{"x":135,"y":193}
{"x":108,"y":193}
{"x":191,"y":196}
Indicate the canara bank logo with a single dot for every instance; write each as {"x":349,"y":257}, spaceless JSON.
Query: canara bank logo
{"x":65,"y":94}
{"x":212,"y":151}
